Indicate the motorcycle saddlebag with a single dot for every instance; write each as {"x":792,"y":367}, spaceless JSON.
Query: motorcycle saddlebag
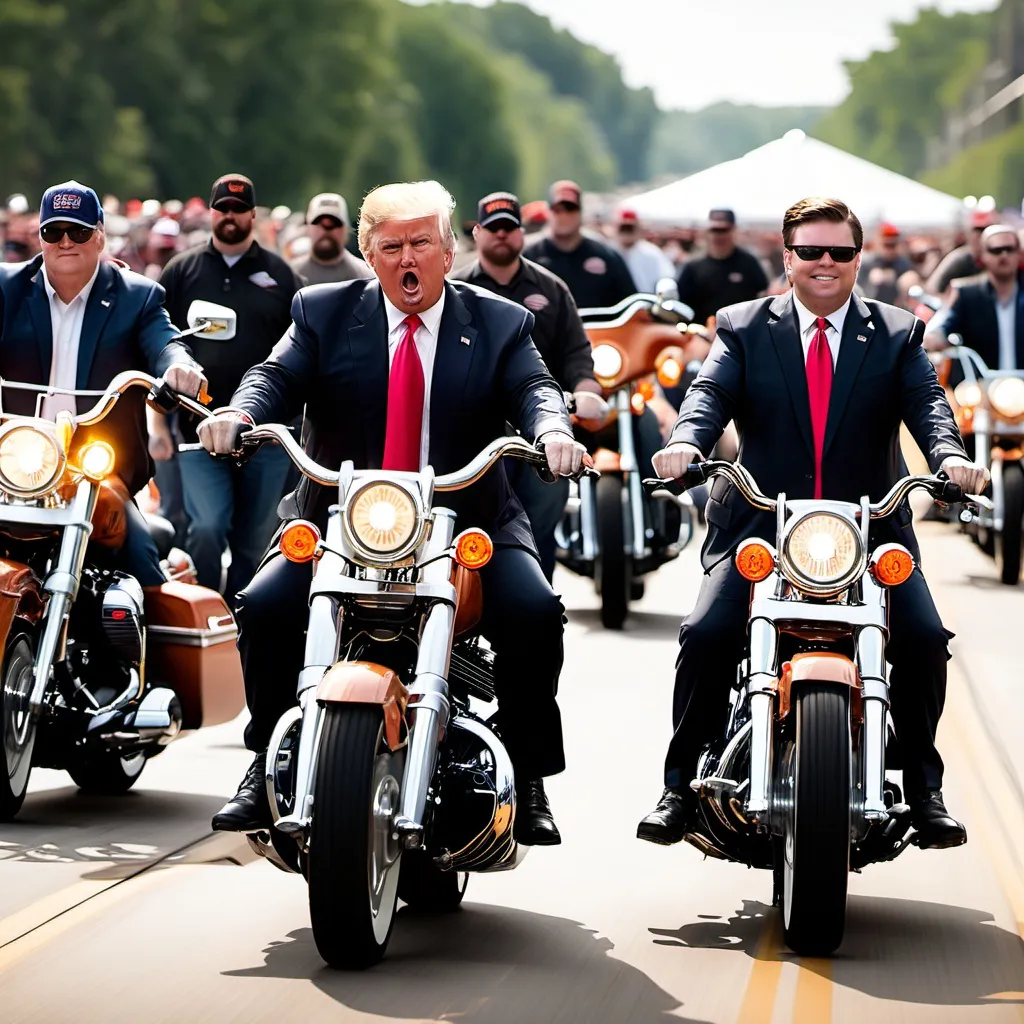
{"x":190,"y":647}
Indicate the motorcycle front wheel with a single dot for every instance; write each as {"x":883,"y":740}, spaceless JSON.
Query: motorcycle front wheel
{"x":1008,"y":540}
{"x":815,"y":844}
{"x":615,"y":567}
{"x":16,"y":726}
{"x":354,"y":862}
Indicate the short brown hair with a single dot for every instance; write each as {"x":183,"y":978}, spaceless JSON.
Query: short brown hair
{"x":814,"y":209}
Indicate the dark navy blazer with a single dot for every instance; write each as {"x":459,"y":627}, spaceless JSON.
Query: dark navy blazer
{"x":125,"y":327}
{"x":487,"y":371}
{"x":972,"y":315}
{"x":755,"y":375}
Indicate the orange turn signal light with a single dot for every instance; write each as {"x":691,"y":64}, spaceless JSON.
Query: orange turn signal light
{"x":892,"y":565}
{"x":670,"y":364}
{"x":299,"y":541}
{"x":473,"y":549}
{"x":755,"y":560}
{"x":638,"y":403}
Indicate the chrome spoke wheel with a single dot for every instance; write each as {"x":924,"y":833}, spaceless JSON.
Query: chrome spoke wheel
{"x":383,"y":849}
{"x":18,"y":727}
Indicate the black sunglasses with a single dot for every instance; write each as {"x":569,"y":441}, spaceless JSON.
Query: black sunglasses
{"x":1001,"y":250}
{"x":78,"y":233}
{"x":500,"y":225}
{"x":231,"y":206}
{"x":812,"y":253}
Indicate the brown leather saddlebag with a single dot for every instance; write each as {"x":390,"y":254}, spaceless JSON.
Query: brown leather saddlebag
{"x":190,"y":647}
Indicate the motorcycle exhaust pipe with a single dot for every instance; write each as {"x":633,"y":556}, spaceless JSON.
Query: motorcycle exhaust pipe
{"x":154,"y":723}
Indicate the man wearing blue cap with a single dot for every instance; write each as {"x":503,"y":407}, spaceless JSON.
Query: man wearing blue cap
{"x":73,"y":320}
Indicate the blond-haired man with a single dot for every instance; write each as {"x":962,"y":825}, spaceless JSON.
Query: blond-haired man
{"x":400,"y":372}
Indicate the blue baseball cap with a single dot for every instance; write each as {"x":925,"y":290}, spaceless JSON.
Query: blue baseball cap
{"x":71,"y":202}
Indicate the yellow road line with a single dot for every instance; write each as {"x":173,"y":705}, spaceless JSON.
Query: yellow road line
{"x":763,"y":984}
{"x":813,"y":1003}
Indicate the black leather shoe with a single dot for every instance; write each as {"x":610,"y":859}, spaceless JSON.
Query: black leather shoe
{"x":534,"y":824}
{"x":936,"y":828}
{"x":249,"y":809}
{"x":670,"y":820}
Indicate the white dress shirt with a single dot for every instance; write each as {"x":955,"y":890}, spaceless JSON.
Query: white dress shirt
{"x":1006,"y":315}
{"x":66,"y":330}
{"x":809,"y":325}
{"x":426,"y":345}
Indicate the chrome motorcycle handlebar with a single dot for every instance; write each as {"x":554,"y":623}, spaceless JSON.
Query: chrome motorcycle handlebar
{"x":623,"y":312}
{"x":119,"y":385}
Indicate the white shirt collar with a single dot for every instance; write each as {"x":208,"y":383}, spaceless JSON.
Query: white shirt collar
{"x":808,"y":319}
{"x":431,"y":317}
{"x":51,"y":292}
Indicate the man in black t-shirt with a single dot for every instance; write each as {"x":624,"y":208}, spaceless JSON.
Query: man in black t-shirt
{"x":725,"y":275}
{"x":595,"y":273}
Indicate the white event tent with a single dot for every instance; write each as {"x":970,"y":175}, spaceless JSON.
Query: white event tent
{"x":761,"y":185}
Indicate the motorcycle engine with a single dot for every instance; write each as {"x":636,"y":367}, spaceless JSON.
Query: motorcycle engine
{"x":475,"y":808}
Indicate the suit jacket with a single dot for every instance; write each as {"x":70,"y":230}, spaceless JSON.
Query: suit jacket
{"x":972,"y":315}
{"x":755,"y":375}
{"x":486,"y":371}
{"x":125,"y":327}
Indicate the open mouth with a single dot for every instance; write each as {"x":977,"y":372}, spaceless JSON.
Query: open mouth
{"x":411,"y":285}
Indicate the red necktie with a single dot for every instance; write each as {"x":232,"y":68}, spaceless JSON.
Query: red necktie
{"x":819,"y":388}
{"x":405,"y":403}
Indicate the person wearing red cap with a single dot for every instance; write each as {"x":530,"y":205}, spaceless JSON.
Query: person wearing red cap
{"x":881,"y":270}
{"x":646,"y":262}
{"x":963,"y":261}
{"x":595,"y":273}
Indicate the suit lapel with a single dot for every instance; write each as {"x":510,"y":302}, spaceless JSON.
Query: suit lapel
{"x":785,"y":334}
{"x":97,"y":310}
{"x":39,"y":310}
{"x":456,"y":343}
{"x":858,"y":330}
{"x":368,"y":345}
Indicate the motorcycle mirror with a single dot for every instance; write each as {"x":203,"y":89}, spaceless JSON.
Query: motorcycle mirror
{"x":666,"y":289}
{"x":915,"y":291}
{"x":211,"y":320}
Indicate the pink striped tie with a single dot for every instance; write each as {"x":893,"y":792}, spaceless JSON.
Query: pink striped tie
{"x":405,"y":403}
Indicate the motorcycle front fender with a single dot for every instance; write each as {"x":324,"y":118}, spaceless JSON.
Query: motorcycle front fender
{"x":363,"y":682}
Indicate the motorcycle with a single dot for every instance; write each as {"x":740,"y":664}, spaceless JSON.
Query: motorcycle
{"x":798,"y":783}
{"x":610,"y":530}
{"x":98,"y":673}
{"x":384,"y":782}
{"x":989,"y":404}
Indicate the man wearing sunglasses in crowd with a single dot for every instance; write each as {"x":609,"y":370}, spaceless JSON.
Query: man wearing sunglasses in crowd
{"x":986,"y":311}
{"x":231,"y":506}
{"x":73,"y":320}
{"x":817,"y":381}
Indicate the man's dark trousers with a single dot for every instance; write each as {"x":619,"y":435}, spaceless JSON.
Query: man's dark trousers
{"x":522,"y":620}
{"x":712,"y":641}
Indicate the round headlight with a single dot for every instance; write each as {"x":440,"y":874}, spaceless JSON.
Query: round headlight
{"x":968,"y":394}
{"x":1007,"y":396}
{"x":382,"y":518}
{"x":30,"y":461}
{"x":822,"y":551}
{"x":607,"y":362}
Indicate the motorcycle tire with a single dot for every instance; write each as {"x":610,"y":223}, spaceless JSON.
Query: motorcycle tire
{"x":17,"y":731}
{"x":425,"y":887}
{"x":615,"y":566}
{"x":107,"y":774}
{"x":354,"y":864}
{"x":1008,"y":540}
{"x":815,"y":846}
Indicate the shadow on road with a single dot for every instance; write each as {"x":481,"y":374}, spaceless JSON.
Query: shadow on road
{"x":484,"y":964}
{"x":640,"y":625}
{"x":899,"y":950}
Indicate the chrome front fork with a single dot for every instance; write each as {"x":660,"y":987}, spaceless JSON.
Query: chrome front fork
{"x":762,"y":686}
{"x":636,"y":540}
{"x":875,"y":696}
{"x":61,"y":587}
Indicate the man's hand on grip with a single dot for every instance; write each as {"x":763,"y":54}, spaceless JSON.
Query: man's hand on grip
{"x":564,"y":453}
{"x":672,"y":462}
{"x":221,"y":433}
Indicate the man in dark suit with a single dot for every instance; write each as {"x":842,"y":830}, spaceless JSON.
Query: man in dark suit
{"x":817,"y":382}
{"x":987,"y":311}
{"x":71,"y":319}
{"x":398,"y":373}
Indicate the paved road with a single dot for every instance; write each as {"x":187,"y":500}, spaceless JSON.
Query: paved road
{"x":130,"y":911}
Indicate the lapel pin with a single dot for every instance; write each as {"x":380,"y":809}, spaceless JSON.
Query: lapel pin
{"x":861,"y":337}
{"x":464,"y":340}
{"x":104,"y":302}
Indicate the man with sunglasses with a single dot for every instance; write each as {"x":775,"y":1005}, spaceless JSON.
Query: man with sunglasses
{"x":818,"y":382}
{"x":595,"y":273}
{"x":74,"y":320}
{"x":557,"y":332}
{"x":232,"y":506}
{"x":986,"y":311}
{"x":327,"y":227}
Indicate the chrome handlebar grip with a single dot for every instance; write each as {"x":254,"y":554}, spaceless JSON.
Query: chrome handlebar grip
{"x":283,"y":436}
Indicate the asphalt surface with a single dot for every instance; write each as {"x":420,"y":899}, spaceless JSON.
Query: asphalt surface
{"x":130,"y":910}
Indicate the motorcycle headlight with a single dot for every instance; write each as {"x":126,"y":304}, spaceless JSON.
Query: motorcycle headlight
{"x":31,"y":461}
{"x":382,"y":519}
{"x":822,"y":553}
{"x":607,"y":363}
{"x":1007,"y":397}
